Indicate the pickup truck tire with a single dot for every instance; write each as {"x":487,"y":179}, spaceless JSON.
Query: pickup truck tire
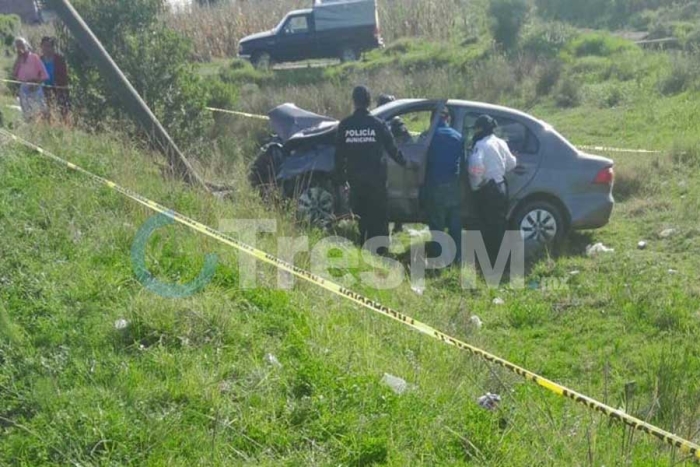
{"x":261,"y":60}
{"x":348,"y":54}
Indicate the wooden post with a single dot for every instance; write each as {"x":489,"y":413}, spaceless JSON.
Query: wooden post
{"x":135,"y":105}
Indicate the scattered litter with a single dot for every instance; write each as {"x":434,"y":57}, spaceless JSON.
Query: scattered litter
{"x":418,"y":289}
{"x":223,"y":194}
{"x":272,"y":360}
{"x":476,"y":322}
{"x":398,"y":385}
{"x":498,"y":301}
{"x":642,"y":245}
{"x":489,"y":401}
{"x":418,"y":233}
{"x":672,"y":271}
{"x":121,"y":324}
{"x":598,"y":248}
{"x":668,"y":233}
{"x":574,"y":273}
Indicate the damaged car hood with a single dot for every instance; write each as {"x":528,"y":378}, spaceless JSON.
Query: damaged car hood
{"x":290,"y":122}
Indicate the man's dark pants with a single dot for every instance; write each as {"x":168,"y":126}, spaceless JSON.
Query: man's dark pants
{"x":492,"y":202}
{"x":369,"y":202}
{"x":443,"y":209}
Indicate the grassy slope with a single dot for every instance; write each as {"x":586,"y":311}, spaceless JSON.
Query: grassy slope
{"x":188,"y":383}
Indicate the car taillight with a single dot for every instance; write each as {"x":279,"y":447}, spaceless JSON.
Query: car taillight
{"x":605,"y":176}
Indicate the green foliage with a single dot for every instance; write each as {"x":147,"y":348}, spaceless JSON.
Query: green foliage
{"x":682,"y":74}
{"x":546,"y":39}
{"x":155,"y":60}
{"x":9,"y":27}
{"x":242,"y":72}
{"x":606,"y":13}
{"x":598,"y":44}
{"x":507,"y":19}
{"x":568,"y":92}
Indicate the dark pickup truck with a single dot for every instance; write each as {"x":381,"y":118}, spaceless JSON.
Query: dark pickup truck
{"x":341,"y":29}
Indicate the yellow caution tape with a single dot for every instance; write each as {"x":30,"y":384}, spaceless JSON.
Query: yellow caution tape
{"x":240,"y":114}
{"x":12,"y":81}
{"x":683,"y":445}
{"x":607,"y":149}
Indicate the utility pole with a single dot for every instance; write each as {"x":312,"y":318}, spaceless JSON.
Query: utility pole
{"x":135,"y":105}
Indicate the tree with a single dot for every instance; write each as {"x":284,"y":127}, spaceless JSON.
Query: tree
{"x":507,"y":19}
{"x":154,"y":59}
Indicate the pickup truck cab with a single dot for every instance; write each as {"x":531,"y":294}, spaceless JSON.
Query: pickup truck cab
{"x":341,"y":29}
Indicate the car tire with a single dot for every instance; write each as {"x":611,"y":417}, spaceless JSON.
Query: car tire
{"x":316,"y":206}
{"x":541,"y":224}
{"x":262,"y":60}
{"x":348,"y":54}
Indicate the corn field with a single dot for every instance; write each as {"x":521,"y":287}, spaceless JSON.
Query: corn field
{"x":215,"y":30}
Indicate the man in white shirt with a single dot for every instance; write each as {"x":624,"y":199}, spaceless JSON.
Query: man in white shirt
{"x":489,"y":163}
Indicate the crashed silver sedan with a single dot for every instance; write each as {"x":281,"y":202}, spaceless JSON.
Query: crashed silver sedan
{"x":554,"y":188}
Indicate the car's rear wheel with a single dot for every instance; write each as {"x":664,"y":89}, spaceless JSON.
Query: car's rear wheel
{"x":315,"y":207}
{"x":261,"y":60}
{"x":348,"y":54}
{"x":541,"y":224}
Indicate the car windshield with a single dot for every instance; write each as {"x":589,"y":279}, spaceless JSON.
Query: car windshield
{"x":279,"y":27}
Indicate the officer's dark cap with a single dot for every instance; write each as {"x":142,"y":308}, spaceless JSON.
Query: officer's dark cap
{"x":384,"y":99}
{"x":486,"y":123}
{"x":361,"y":97}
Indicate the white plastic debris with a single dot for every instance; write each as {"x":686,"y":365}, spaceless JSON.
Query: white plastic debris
{"x":498,"y":301}
{"x":398,"y":385}
{"x":272,"y":360}
{"x":419,"y":290}
{"x":672,"y":271}
{"x":597,"y":249}
{"x":489,"y":401}
{"x":418,"y":233}
{"x":476,"y":322}
{"x":642,"y":245}
{"x":575,"y":272}
{"x":668,"y":233}
{"x":121,"y":324}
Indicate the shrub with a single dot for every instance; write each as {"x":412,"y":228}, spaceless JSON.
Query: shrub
{"x":546,"y":39}
{"x":154,"y":59}
{"x":686,"y":154}
{"x":548,"y":74}
{"x":608,"y":94}
{"x":692,"y":41}
{"x":598,"y":44}
{"x":682,"y":74}
{"x":241,"y":71}
{"x":9,"y":27}
{"x":507,"y":19}
{"x":568,"y":92}
{"x":492,"y":79}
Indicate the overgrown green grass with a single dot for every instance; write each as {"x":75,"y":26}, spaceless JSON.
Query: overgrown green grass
{"x":189,"y":381}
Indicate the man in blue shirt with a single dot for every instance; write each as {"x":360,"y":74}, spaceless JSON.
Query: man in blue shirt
{"x":442,"y":189}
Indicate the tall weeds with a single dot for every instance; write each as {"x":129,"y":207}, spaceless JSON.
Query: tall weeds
{"x":216,"y":30}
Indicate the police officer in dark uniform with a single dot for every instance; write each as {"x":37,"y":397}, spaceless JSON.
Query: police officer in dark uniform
{"x":362,"y":141}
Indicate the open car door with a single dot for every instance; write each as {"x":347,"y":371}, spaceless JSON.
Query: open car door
{"x":404,"y":185}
